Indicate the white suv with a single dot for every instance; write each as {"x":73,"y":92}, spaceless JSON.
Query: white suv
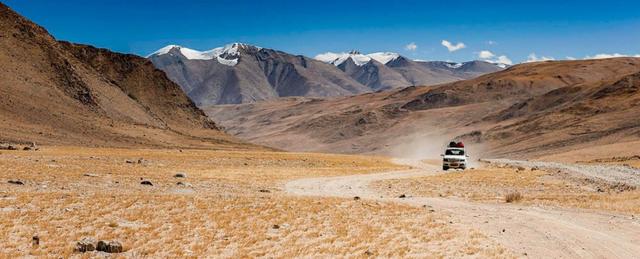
{"x":454,"y":157}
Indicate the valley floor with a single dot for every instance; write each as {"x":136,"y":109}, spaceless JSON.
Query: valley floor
{"x":279,"y":204}
{"x":229,"y":204}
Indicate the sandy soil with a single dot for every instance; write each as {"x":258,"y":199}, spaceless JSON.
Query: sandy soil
{"x":525,"y":230}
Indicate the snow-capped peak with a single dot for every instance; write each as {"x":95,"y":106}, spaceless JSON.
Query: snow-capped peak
{"x":357,"y":58}
{"x":453,"y":65}
{"x":226,"y":55}
{"x":163,"y":50}
{"x":384,"y":57}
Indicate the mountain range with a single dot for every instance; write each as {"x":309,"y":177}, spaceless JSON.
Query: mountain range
{"x":527,"y":110}
{"x":242,"y":73}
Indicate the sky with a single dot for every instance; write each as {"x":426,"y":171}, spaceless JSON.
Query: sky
{"x":514,"y":31}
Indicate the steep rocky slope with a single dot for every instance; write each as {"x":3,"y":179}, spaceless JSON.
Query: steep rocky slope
{"x":62,"y":93}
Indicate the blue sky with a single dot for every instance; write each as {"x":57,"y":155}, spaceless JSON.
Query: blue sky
{"x":513,"y":29}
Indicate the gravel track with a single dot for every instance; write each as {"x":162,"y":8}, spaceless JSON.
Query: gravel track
{"x":613,"y":174}
{"x":526,"y":231}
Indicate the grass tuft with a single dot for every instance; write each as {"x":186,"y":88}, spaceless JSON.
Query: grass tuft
{"x":512,"y":197}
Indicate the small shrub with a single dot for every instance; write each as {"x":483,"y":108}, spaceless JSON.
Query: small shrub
{"x":513,"y":197}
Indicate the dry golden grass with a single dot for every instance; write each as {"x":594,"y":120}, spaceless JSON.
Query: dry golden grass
{"x":70,"y":193}
{"x":536,"y":187}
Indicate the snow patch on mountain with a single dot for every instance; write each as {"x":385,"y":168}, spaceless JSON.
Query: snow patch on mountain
{"x":384,"y":57}
{"x":453,"y":65}
{"x":357,"y":58}
{"x":226,"y":55}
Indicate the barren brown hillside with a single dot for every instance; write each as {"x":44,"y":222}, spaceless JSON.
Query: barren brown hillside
{"x":62,"y":93}
{"x":527,"y":110}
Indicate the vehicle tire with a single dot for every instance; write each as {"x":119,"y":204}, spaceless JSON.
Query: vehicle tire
{"x":445,"y":168}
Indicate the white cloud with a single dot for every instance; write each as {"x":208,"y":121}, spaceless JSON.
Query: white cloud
{"x":614,"y":55}
{"x":451,"y":47}
{"x":570,"y":58}
{"x":485,"y":54}
{"x":411,"y":46}
{"x":488,"y":56}
{"x":490,"y":42}
{"x":533,"y":58}
{"x":504,"y":60}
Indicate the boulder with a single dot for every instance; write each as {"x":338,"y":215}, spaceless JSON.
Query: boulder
{"x":146,"y":182}
{"x":87,"y":244}
{"x":180,"y":175}
{"x":109,"y":246}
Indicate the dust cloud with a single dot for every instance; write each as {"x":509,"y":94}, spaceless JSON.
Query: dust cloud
{"x":421,"y":147}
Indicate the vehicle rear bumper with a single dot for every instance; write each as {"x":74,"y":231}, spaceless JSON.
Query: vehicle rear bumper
{"x":454,"y":164}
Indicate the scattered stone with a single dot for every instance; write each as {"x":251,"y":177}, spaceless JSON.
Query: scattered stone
{"x":32,"y":146}
{"x":17,"y":182}
{"x":109,"y":246}
{"x":368,"y":253}
{"x":357,"y":198}
{"x":264,"y":190}
{"x":35,"y":240}
{"x":87,"y":244}
{"x":535,"y":168}
{"x":599,"y":189}
{"x":504,"y":230}
{"x":8,"y":147}
{"x":180,"y":175}
{"x":129,"y":161}
{"x":520,"y":168}
{"x":140,"y":161}
{"x":90,"y":175}
{"x":276,"y":226}
{"x":183,"y":184}
{"x":146,"y":182}
{"x":402,"y":196}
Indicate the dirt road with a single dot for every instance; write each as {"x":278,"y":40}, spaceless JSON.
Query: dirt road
{"x":526,"y":231}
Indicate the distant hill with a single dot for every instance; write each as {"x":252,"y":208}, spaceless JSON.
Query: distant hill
{"x":527,"y":110}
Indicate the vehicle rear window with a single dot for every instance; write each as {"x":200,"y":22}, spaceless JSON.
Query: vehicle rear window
{"x":454,"y":152}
